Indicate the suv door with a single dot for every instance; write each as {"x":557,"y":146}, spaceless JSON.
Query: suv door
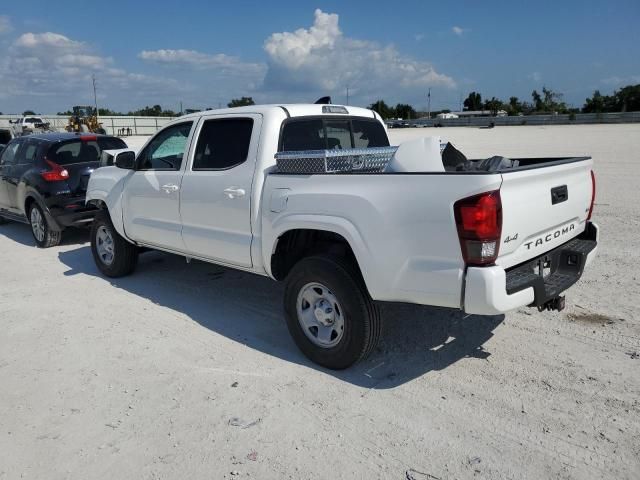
{"x":215,"y":198}
{"x":23,"y":162}
{"x":151,"y":201}
{"x":7,"y":160}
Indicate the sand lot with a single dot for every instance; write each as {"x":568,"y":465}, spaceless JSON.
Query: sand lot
{"x":188,"y":372}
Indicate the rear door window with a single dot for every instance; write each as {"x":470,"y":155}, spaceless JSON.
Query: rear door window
{"x":332,"y":133}
{"x":223,"y":143}
{"x":9,"y":153}
{"x":26,"y":154}
{"x":83,"y":151}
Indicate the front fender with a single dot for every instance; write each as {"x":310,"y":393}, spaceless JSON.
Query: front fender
{"x":106,"y":186}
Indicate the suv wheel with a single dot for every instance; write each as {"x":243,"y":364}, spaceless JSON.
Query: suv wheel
{"x":329,"y":312}
{"x":114,"y":256}
{"x":44,"y":236}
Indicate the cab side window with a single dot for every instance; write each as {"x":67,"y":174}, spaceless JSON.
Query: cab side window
{"x":166,"y":150}
{"x":223,"y":143}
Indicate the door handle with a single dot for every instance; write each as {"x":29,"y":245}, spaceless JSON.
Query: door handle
{"x":170,"y":188}
{"x":234,"y":192}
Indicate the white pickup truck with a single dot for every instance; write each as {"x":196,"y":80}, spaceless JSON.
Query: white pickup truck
{"x":313,"y":195}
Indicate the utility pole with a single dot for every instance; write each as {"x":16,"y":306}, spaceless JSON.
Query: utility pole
{"x":95,"y":97}
{"x":429,"y":104}
{"x":347,"y":95}
{"x":180,"y":107}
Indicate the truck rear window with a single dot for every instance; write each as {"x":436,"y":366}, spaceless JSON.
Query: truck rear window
{"x":81,"y":151}
{"x":332,"y":133}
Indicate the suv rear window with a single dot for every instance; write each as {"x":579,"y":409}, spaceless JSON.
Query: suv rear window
{"x":81,"y":151}
{"x":330,"y":133}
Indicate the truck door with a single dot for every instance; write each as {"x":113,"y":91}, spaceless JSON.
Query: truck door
{"x":215,"y":199}
{"x":151,"y":197}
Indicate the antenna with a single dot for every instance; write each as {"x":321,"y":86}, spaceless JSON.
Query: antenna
{"x":347,"y":95}
{"x":429,"y":104}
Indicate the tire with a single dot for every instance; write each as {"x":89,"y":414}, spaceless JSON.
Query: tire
{"x":42,"y":233}
{"x":330,"y":292}
{"x":101,"y":131}
{"x":114,"y":256}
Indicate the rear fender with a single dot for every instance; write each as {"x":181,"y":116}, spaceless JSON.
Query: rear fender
{"x":32,"y":195}
{"x":337,"y":225}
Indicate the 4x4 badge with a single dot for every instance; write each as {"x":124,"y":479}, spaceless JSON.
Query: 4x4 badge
{"x":509,"y":239}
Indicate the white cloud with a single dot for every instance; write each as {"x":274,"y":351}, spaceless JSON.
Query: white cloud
{"x":321,"y":59}
{"x":418,"y":37}
{"x":5,"y":24}
{"x":616,"y":81}
{"x":58,"y":69}
{"x":535,"y":76}
{"x":223,"y":63}
{"x":458,"y":30}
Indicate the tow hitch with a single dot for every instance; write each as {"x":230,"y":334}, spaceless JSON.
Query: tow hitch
{"x":553,"y":304}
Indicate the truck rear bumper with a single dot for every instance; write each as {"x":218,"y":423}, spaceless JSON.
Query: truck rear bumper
{"x":493,"y":290}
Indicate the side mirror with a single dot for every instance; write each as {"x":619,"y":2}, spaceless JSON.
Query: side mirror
{"x":126,"y":160}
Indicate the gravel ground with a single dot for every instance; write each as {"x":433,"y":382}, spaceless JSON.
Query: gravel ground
{"x":187,"y":371}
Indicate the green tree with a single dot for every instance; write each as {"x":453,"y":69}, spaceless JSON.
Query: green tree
{"x":384,"y":110}
{"x":473,"y":102}
{"x":240,"y":102}
{"x":627,"y":99}
{"x":598,"y":103}
{"x":28,"y":112}
{"x":549,"y":101}
{"x":493,"y":105}
{"x":405,"y":111}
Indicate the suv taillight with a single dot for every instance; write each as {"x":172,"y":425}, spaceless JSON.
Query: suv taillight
{"x":593,"y":194}
{"x":479,"y":222}
{"x":56,"y":174}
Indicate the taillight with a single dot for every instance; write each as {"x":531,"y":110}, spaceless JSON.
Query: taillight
{"x":56,"y":174}
{"x":479,"y":222}
{"x":593,"y":194}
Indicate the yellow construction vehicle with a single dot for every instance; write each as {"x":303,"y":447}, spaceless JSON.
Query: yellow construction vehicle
{"x":84,"y":119}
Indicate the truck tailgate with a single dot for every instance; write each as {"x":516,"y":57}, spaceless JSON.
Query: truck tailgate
{"x":542,"y":208}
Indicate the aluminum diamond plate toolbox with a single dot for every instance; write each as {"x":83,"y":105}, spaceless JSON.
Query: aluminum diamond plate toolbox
{"x":373,"y":159}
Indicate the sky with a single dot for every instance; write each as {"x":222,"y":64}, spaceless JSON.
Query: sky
{"x":204,"y":53}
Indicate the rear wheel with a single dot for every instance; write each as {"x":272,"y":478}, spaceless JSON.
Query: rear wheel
{"x":329,"y":312}
{"x":114,"y":256}
{"x":44,"y":236}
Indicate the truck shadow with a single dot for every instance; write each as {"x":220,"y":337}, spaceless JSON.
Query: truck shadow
{"x":248,"y":309}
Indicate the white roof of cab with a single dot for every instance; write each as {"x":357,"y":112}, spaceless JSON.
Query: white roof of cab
{"x":294,"y":110}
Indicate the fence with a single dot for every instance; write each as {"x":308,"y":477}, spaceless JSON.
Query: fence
{"x":568,"y":119}
{"x":113,"y":125}
{"x":150,"y":125}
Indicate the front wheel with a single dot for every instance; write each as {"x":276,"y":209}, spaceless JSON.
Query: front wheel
{"x":329,"y":312}
{"x":44,"y":236}
{"x":114,"y":256}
